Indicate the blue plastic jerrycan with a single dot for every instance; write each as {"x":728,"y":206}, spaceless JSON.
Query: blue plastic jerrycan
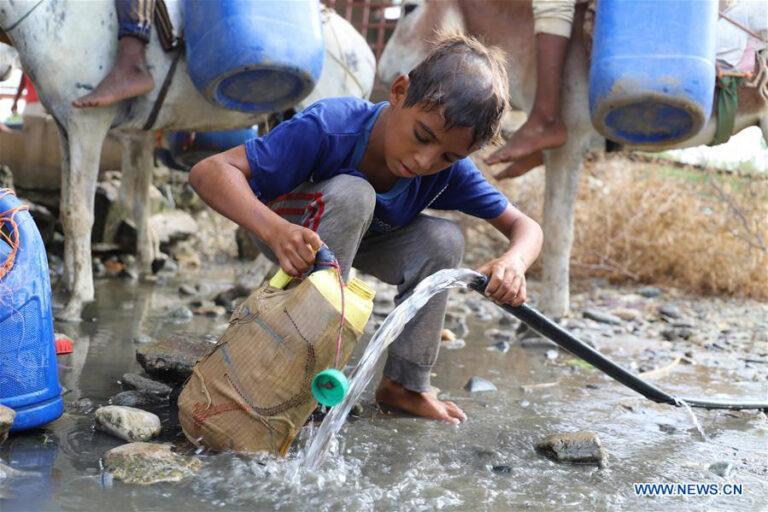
{"x":254,"y":55}
{"x":652,"y":77}
{"x":29,"y":381}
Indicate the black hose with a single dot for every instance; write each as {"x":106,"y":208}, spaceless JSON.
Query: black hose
{"x":549,"y":329}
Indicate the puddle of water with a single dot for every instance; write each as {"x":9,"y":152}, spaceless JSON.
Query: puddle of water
{"x":390,"y":462}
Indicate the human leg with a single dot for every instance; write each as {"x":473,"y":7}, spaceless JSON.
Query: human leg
{"x":544,"y":128}
{"x":339,"y":210}
{"x":130,"y":76}
{"x":405,"y":257}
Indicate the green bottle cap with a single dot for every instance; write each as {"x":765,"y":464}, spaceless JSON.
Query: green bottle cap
{"x":329,"y":387}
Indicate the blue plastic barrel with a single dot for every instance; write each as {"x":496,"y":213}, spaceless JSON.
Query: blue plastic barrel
{"x":652,"y":77}
{"x":254,"y":55}
{"x":29,"y":381}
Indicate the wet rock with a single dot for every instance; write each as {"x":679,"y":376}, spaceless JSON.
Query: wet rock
{"x":128,"y":423}
{"x":502,"y":469}
{"x":722,"y":469}
{"x":670,"y":311}
{"x":209,"y":310}
{"x":478,"y":384}
{"x":455,"y":344}
{"x":172,"y":225}
{"x":456,"y":321}
{"x":181,"y":313}
{"x":447,"y":335}
{"x":164,"y":266}
{"x":133,"y":398}
{"x":246,"y":248}
{"x":171,"y":359}
{"x":579,"y":447}
{"x":99,"y":270}
{"x":649,"y":292}
{"x":6,"y":177}
{"x":82,"y":406}
{"x":7,"y":472}
{"x":552,"y":354}
{"x":228,"y":297}
{"x":602,"y":317}
{"x":357,"y":410}
{"x":137,"y":382}
{"x":675,"y":333}
{"x":627,"y":314}
{"x":187,"y":289}
{"x":6,"y":420}
{"x":149,"y":463}
{"x":129,"y":274}
{"x":141,"y":339}
{"x":500,"y":346}
{"x":507,"y":320}
{"x":499,"y":335}
{"x":667,"y":428}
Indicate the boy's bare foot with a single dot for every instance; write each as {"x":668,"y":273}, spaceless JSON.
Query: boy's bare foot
{"x":129,"y":78}
{"x":420,"y":404}
{"x":536,"y":134}
{"x":522,"y":166}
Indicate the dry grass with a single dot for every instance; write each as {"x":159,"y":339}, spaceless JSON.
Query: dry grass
{"x":650,"y":222}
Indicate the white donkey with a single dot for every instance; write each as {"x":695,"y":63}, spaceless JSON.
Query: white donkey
{"x":509,"y":25}
{"x":67,"y":47}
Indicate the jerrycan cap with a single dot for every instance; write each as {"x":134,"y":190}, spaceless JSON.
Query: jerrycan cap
{"x":329,"y":387}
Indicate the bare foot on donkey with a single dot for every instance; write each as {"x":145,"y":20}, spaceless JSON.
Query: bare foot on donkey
{"x":420,"y":404}
{"x":129,"y":78}
{"x":536,"y":134}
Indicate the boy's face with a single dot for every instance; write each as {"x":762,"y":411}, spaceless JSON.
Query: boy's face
{"x":416,"y":143}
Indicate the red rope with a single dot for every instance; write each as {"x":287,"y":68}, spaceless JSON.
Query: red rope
{"x":11,"y":239}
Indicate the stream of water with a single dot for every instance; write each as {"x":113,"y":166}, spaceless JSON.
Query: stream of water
{"x":364,"y":371}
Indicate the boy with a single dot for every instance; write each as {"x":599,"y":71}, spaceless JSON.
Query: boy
{"x":356,"y":176}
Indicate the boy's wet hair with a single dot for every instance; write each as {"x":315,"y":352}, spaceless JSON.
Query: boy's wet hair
{"x":466,"y":80}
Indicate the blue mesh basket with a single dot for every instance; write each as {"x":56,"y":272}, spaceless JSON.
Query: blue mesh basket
{"x":29,"y":381}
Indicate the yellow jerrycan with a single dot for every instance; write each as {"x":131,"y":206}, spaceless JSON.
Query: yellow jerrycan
{"x":253,"y":392}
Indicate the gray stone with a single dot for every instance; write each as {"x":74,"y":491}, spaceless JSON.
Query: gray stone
{"x":149,"y":463}
{"x":172,"y":225}
{"x":722,"y":469}
{"x":579,"y":447}
{"x":7,"y":416}
{"x":133,"y":381}
{"x":602,"y":317}
{"x":502,"y":469}
{"x":670,"y":311}
{"x":500,"y":346}
{"x":99,"y":270}
{"x":478,"y":384}
{"x":187,"y":289}
{"x":649,"y":292}
{"x":128,"y":423}
{"x":210,"y":310}
{"x":227,"y":298}
{"x":141,"y":339}
{"x":133,"y":398}
{"x":456,"y":321}
{"x":181,"y":313}
{"x":454,"y":344}
{"x":507,"y":320}
{"x":129,"y":273}
{"x":171,"y":359}
{"x":499,"y":335}
{"x":627,"y":314}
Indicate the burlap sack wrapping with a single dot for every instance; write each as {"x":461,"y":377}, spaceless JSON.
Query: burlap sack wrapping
{"x":252,"y":392}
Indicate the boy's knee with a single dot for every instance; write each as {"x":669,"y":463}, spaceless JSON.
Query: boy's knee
{"x":353,"y":194}
{"x":444,"y":243}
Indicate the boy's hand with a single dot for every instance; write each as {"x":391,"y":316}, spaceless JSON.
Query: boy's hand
{"x":506,"y":279}
{"x":295,"y":247}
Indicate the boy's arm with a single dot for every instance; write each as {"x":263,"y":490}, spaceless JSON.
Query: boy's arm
{"x":222,"y":182}
{"x":507,"y":272}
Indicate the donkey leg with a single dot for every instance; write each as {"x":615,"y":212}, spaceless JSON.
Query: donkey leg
{"x":563,"y":168}
{"x":83,"y":138}
{"x":140,"y":156}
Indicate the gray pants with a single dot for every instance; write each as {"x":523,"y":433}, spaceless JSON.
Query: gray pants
{"x":340,"y":210}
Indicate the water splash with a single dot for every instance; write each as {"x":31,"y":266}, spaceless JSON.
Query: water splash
{"x":696,"y":423}
{"x":316,"y":448}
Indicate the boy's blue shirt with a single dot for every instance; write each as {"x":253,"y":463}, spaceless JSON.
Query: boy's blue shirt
{"x":330,"y":137}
